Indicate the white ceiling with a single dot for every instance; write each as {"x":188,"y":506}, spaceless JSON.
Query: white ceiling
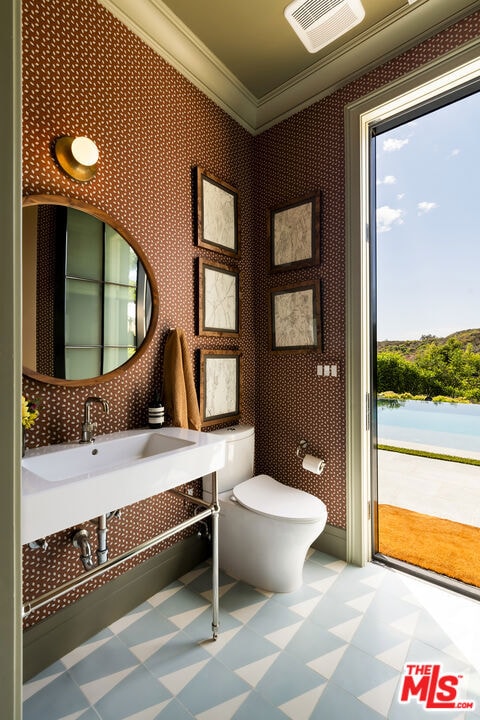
{"x":246,"y":57}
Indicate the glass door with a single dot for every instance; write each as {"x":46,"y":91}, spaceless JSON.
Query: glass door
{"x":425,"y":308}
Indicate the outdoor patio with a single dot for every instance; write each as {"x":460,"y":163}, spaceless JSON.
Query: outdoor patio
{"x":439,"y":488}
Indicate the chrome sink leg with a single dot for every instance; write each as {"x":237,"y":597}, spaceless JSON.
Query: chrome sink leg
{"x":215,"y":518}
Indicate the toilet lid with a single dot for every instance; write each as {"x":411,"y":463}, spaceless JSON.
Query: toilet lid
{"x":267,"y":496}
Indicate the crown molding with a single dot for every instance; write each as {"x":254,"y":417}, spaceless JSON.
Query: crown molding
{"x":387,"y":39}
{"x":159,"y":28}
{"x":154,"y":23}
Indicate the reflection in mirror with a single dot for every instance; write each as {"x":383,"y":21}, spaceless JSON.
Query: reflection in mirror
{"x":88,"y":301}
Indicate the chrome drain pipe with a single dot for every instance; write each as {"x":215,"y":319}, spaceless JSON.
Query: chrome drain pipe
{"x":102,"y":548}
{"x":210,"y":510}
{"x":81,"y":540}
{"x":75,"y":583}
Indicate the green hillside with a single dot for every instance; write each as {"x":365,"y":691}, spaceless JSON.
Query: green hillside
{"x":431,"y":366}
{"x":411,"y":348}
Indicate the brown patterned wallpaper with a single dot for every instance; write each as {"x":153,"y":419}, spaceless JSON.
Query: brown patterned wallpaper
{"x":84,"y":73}
{"x":303,"y":154}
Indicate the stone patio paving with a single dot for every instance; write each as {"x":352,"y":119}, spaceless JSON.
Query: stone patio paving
{"x":440,"y":488}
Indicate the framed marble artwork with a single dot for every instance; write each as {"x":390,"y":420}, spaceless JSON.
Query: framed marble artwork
{"x":295,"y":317}
{"x":217,"y":214}
{"x":219,"y":299}
{"x":294,"y":232}
{"x":220,"y":382}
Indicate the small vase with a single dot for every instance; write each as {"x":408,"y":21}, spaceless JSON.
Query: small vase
{"x":23,"y":442}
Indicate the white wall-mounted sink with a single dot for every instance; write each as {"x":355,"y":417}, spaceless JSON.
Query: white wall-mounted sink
{"x":65,"y":485}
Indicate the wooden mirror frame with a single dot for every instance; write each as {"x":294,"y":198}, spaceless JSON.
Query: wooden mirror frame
{"x":44,"y":199}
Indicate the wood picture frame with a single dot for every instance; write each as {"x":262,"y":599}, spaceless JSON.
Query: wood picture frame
{"x":295,"y":317}
{"x":217,"y":214}
{"x":294,"y":230}
{"x":220,"y":386}
{"x":219,"y":299}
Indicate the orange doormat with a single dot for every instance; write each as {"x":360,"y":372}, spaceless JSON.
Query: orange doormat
{"x":444,"y":546}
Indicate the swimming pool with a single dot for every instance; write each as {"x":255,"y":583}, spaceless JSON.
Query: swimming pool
{"x":443,"y":425}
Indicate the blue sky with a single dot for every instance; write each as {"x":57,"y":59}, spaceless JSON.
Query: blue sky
{"x":428,"y":224}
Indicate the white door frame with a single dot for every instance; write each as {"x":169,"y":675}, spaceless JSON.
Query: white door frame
{"x":10,"y":361}
{"x":439,"y":77}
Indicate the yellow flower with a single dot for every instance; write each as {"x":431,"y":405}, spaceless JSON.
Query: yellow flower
{"x":29,"y":413}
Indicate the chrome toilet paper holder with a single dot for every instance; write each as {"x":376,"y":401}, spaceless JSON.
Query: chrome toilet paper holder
{"x":302,"y":449}
{"x":310,"y":462}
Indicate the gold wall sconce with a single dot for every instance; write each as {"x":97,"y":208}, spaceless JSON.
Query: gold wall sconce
{"x":78,"y":157}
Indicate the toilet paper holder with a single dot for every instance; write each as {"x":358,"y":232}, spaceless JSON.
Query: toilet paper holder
{"x":302,"y":449}
{"x":310,"y":462}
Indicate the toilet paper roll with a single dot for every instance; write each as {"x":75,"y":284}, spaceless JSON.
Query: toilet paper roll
{"x":313,"y":464}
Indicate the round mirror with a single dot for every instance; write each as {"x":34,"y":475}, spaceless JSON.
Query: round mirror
{"x":90,"y":303}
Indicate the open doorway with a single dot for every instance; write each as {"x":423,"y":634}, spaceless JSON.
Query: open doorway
{"x":425,"y":337}
{"x":439,"y":79}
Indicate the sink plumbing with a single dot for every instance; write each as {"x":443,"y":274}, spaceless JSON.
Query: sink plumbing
{"x":81,"y":541}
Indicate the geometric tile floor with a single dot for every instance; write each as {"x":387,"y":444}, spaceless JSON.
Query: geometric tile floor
{"x":334,"y":650}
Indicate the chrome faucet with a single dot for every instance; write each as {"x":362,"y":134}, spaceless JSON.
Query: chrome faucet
{"x":88,"y":427}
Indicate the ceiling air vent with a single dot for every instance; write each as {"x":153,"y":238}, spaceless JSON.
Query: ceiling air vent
{"x":320,"y":22}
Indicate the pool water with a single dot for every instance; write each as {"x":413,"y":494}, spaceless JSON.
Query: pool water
{"x":441,"y":425}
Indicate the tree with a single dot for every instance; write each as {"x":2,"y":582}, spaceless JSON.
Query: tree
{"x":397,"y":374}
{"x":447,"y":369}
{"x":442,"y":367}
{"x":471,"y":375}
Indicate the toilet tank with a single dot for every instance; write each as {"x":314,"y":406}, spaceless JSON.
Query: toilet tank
{"x":240,"y":446}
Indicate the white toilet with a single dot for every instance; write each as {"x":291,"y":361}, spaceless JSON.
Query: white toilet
{"x":265,"y":527}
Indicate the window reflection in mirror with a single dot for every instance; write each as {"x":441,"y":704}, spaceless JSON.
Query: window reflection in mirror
{"x":87,"y":297}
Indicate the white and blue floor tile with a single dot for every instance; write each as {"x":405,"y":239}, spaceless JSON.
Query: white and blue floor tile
{"x":335,"y":649}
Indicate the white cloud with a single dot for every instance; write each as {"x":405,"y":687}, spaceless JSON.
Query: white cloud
{"x":426,"y":207}
{"x":393,"y":144}
{"x":400,"y":196}
{"x":387,"y":180}
{"x":455,"y":152}
{"x":387,"y":217}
